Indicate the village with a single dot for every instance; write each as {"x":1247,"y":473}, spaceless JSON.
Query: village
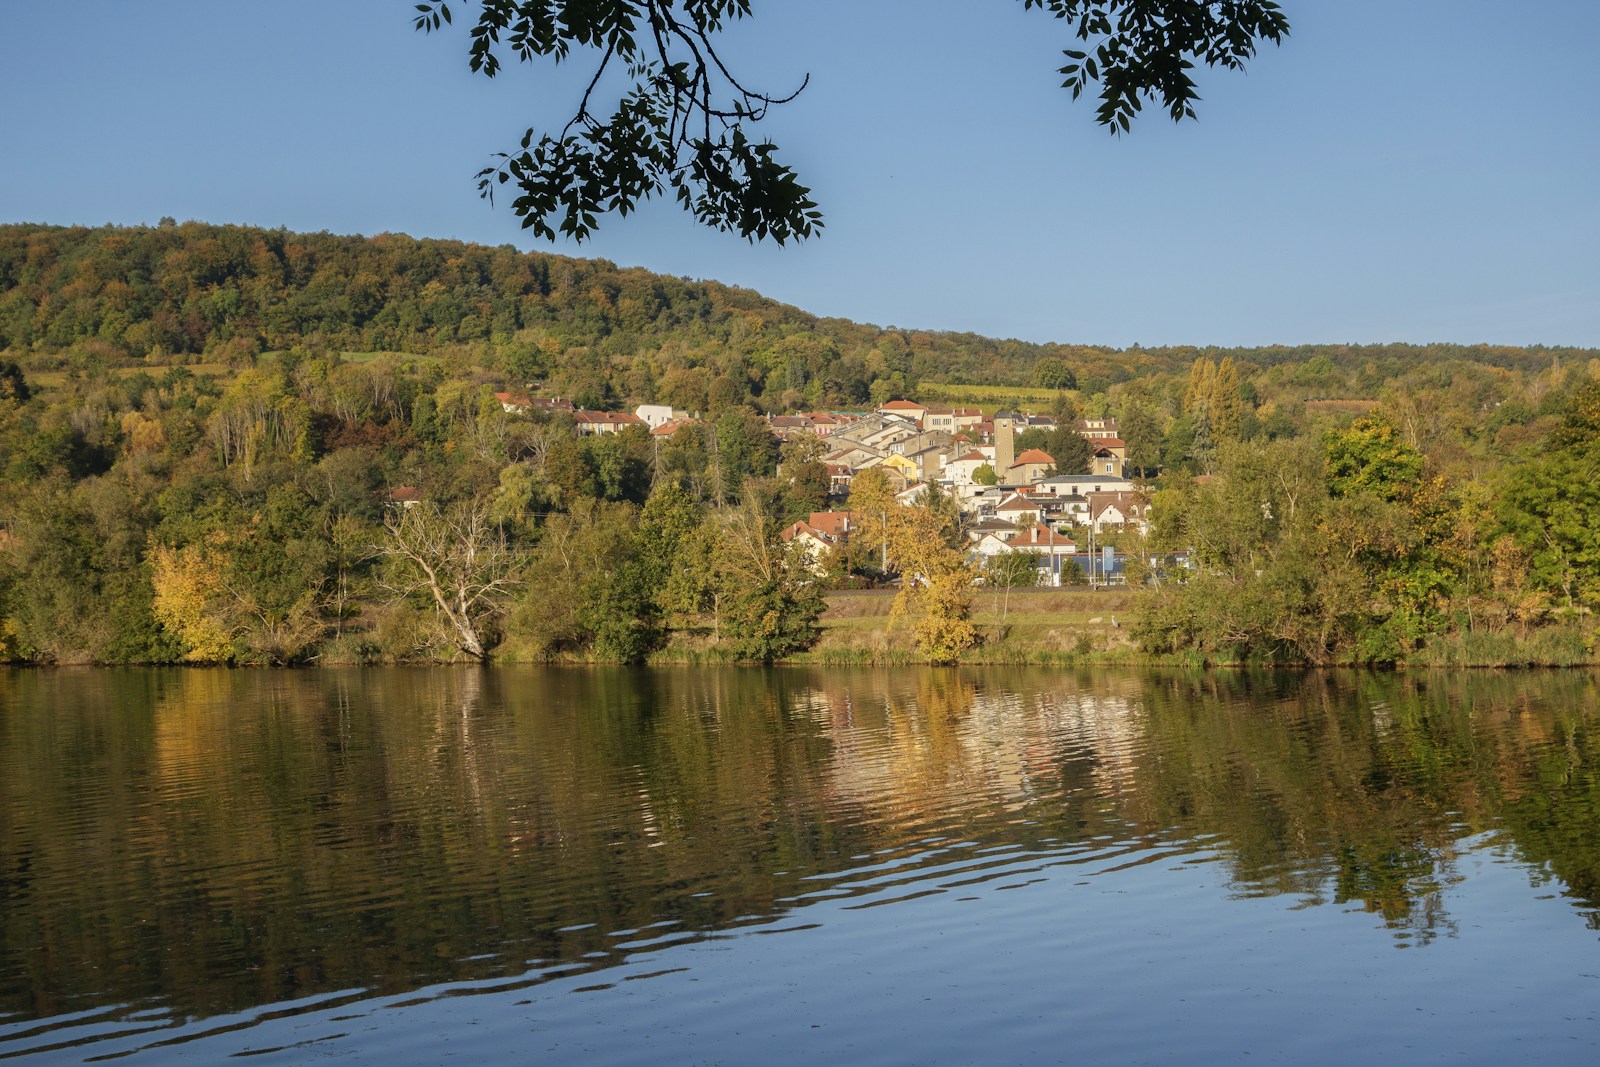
{"x":1077,"y":527}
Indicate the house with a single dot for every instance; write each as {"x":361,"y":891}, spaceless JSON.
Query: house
{"x":1018,"y":509}
{"x":959,"y":471}
{"x":895,"y":477}
{"x":1096,"y":429}
{"x":403,"y":497}
{"x":822,"y":423}
{"x":855,"y":457}
{"x":839,"y":476}
{"x":996,"y":527}
{"x":1082,"y":484}
{"x":904,"y":409}
{"x":786,"y":426}
{"x":655,"y":415}
{"x":966,"y":418}
{"x":514,"y":403}
{"x":1030,"y":466}
{"x":667,"y":429}
{"x":912,"y":495}
{"x":885,"y":437}
{"x":1054,"y":550}
{"x":1070,"y":510}
{"x":1118,"y":511}
{"x":939,"y":417}
{"x":814,"y":546}
{"x":907,"y":467}
{"x":521,"y":403}
{"x":930,"y":461}
{"x":836,"y":524}
{"x":1107,"y":456}
{"x":550,"y":405}
{"x":988,"y":547}
{"x":603,"y":422}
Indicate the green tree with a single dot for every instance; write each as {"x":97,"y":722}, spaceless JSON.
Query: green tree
{"x":1551,"y":506}
{"x":1070,"y":450}
{"x":1141,"y":432}
{"x":744,"y":448}
{"x":772,"y":603}
{"x":1054,"y":374}
{"x":591,"y":588}
{"x":13,"y":386}
{"x":1371,"y":457}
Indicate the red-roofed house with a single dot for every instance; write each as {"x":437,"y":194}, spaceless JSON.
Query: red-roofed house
{"x":1032,"y":465}
{"x":836,"y":524}
{"x":966,"y":418}
{"x":667,"y":429}
{"x":600,"y":422}
{"x":822,"y":423}
{"x":815,"y":546}
{"x":514,"y":403}
{"x":905,"y":409}
{"x":939,"y":417}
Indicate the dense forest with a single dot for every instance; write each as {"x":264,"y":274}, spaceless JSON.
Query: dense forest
{"x":596,"y":333}
{"x":208,"y":434}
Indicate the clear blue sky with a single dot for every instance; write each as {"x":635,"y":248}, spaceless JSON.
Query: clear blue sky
{"x":1401,"y":170}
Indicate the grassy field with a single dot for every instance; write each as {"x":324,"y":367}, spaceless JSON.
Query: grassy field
{"x":1039,"y":624}
{"x":987,"y":396}
{"x":368,"y":357}
{"x":55,"y":379}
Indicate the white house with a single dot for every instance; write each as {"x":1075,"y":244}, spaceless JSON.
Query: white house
{"x":656,"y":414}
{"x":959,"y":471}
{"x":1083,"y":484}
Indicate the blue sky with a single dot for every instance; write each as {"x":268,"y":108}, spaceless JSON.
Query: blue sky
{"x":1400,"y":170}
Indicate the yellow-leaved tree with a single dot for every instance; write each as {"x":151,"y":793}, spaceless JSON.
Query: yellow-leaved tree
{"x":919,"y":542}
{"x":188,"y":585}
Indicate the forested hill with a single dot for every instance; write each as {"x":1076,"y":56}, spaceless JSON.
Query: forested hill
{"x":600,"y":334}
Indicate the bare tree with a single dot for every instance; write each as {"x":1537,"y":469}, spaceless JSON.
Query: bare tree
{"x":459,"y":559}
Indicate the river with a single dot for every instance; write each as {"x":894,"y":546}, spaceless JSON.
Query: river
{"x":905,"y":865}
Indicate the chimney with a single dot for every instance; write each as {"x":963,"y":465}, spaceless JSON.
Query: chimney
{"x":1005,"y":449}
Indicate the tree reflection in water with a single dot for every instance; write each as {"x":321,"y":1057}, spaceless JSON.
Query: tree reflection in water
{"x":215,"y":840}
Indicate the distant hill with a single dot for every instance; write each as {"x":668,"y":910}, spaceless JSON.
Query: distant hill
{"x":585,"y":328}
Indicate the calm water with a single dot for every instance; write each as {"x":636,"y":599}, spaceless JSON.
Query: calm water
{"x":909,"y":866}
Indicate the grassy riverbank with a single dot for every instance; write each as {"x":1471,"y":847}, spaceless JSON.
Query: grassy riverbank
{"x":1029,"y":626}
{"x":1046,"y":627}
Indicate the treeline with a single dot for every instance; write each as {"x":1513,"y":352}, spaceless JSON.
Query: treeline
{"x":602,"y":335}
{"x":1355,"y":545}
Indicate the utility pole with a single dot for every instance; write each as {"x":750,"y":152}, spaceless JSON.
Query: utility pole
{"x":883,"y":566}
{"x":1091,"y":549}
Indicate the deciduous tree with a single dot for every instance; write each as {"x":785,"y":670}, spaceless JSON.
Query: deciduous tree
{"x":456,"y":560}
{"x":679,"y":125}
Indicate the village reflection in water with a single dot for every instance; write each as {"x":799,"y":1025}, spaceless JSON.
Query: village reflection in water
{"x":200,"y":843}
